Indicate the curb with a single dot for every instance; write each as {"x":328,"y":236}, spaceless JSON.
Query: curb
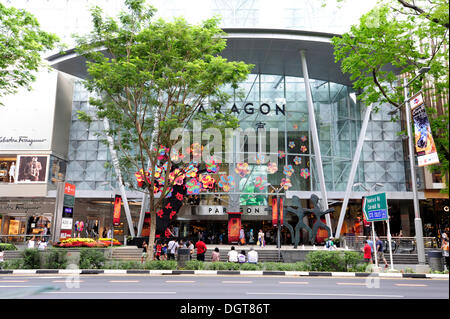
{"x":217,"y":272}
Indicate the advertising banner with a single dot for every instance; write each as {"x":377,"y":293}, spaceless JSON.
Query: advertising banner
{"x":117,"y":209}
{"x":277,"y":208}
{"x":424,"y":142}
{"x":32,"y":169}
{"x":67,"y":211}
{"x":234,"y":227}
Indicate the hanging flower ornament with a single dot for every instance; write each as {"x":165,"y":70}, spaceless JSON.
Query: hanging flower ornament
{"x":242,"y":169}
{"x":226,"y":183}
{"x":303,"y":138}
{"x":305,"y":173}
{"x":212,"y":166}
{"x":295,"y":126}
{"x":208,"y":181}
{"x":297,"y":160}
{"x":281,"y":154}
{"x":193,"y":187}
{"x":191,"y":171}
{"x":272,"y":168}
{"x":291,"y":144}
{"x":162,"y":152}
{"x":259,"y":159}
{"x":286,"y":183}
{"x":288,"y":170}
{"x":303,"y":148}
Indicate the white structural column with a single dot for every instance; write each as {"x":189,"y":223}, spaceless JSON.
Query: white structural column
{"x":355,"y":162}
{"x":115,"y":161}
{"x":313,"y":127}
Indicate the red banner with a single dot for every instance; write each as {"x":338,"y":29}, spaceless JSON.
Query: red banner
{"x":69,"y":189}
{"x":117,"y":209}
{"x":277,"y":208}
{"x":234,"y":227}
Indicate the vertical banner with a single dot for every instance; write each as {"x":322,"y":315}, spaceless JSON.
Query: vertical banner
{"x":277,"y":208}
{"x":67,"y":213}
{"x":424,"y":142}
{"x":234,"y":227}
{"x":117,"y":209}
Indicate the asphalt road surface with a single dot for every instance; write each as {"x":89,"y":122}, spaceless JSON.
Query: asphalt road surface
{"x":218,"y":287}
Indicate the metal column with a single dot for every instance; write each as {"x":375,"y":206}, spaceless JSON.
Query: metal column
{"x":119,"y":177}
{"x":313,"y":127}
{"x":355,"y":162}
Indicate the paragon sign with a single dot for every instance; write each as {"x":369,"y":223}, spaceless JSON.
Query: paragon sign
{"x":375,"y":207}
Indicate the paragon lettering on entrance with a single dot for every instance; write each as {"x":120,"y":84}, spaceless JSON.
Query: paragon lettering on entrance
{"x":254,"y":210}
{"x":248,"y":108}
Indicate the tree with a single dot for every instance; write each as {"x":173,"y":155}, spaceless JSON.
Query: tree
{"x":151,"y":78}
{"x":21,"y":44}
{"x":405,"y":36}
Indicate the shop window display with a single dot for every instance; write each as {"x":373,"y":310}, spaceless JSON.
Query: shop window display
{"x":7,"y":169}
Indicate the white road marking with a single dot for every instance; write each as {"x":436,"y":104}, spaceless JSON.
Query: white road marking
{"x":317,"y":294}
{"x":351,"y":283}
{"x":294,"y":282}
{"x":18,"y":286}
{"x":113,"y":292}
{"x":411,"y":285}
{"x":181,"y":281}
{"x":120,"y":281}
{"x":236,"y":282}
{"x":2,"y":281}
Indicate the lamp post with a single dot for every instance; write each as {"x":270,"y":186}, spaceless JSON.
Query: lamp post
{"x":417,"y":220}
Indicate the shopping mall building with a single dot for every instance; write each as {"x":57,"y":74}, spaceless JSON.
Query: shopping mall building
{"x":47,"y":143}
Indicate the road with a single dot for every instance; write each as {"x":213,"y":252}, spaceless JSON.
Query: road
{"x":220,"y":287}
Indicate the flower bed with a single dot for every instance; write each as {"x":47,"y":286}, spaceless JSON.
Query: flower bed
{"x":87,"y":242}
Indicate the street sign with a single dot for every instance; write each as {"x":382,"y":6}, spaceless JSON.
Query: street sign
{"x":375,"y":207}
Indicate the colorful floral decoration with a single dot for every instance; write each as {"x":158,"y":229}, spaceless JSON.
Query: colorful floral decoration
{"x":196,"y":149}
{"x":193,"y":187}
{"x":79,"y":225}
{"x":176,"y":157}
{"x":242,"y":169}
{"x":295,"y":126}
{"x":160,"y":213}
{"x":259,"y":159}
{"x":291,"y":144}
{"x":226,"y":183}
{"x":305,"y":173}
{"x":191,"y":171}
{"x":303,"y":148}
{"x":260,"y":182}
{"x":212,"y":166}
{"x":303,"y":138}
{"x":272,"y":168}
{"x":288,"y":170}
{"x":169,"y":192}
{"x":162,"y":152}
{"x":179,"y":196}
{"x":208,"y":181}
{"x":172,"y":213}
{"x":281,"y":154}
{"x":297,"y":160}
{"x":286,"y":183}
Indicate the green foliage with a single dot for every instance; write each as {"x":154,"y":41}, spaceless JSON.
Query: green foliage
{"x":55,"y":259}
{"x":333,"y":260}
{"x":12,"y":264}
{"x":402,"y":37}
{"x":31,"y":259}
{"x":160,"y":264}
{"x":91,"y":258}
{"x":21,"y":44}
{"x":4,"y":247}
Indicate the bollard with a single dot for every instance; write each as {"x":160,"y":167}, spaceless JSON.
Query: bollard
{"x":183,"y":257}
{"x":436,"y":260}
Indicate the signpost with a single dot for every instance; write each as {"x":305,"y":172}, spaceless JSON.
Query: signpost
{"x":375,"y":209}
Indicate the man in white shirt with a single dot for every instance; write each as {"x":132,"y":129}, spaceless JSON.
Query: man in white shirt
{"x":233,"y":255}
{"x":252,"y":256}
{"x":172,"y":249}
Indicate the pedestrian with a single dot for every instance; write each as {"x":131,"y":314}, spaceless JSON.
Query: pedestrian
{"x":242,"y":236}
{"x":252,"y":256}
{"x":109,"y":234}
{"x":370,"y":242}
{"x":367,"y":252}
{"x":380,"y":253}
{"x":144,"y":251}
{"x":201,"y":250}
{"x":215,"y":255}
{"x":42,"y":244}
{"x":261,"y":241}
{"x":105,"y":232}
{"x":158,"y":250}
{"x":31,"y":243}
{"x":163,"y":251}
{"x":191,"y":247}
{"x":233,"y":255}
{"x":445,"y":251}
{"x":172,"y":249}
{"x":241,"y":257}
{"x":251,"y":239}
{"x":329,"y":244}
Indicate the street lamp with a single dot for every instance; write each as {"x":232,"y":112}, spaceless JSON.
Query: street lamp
{"x":417,"y":219}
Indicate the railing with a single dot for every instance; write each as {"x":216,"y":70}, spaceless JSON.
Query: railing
{"x":21,"y":239}
{"x":400,"y":245}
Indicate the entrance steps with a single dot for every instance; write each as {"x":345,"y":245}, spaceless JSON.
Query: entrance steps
{"x":127,"y":253}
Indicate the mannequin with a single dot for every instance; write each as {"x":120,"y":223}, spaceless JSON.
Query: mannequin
{"x":12,"y":172}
